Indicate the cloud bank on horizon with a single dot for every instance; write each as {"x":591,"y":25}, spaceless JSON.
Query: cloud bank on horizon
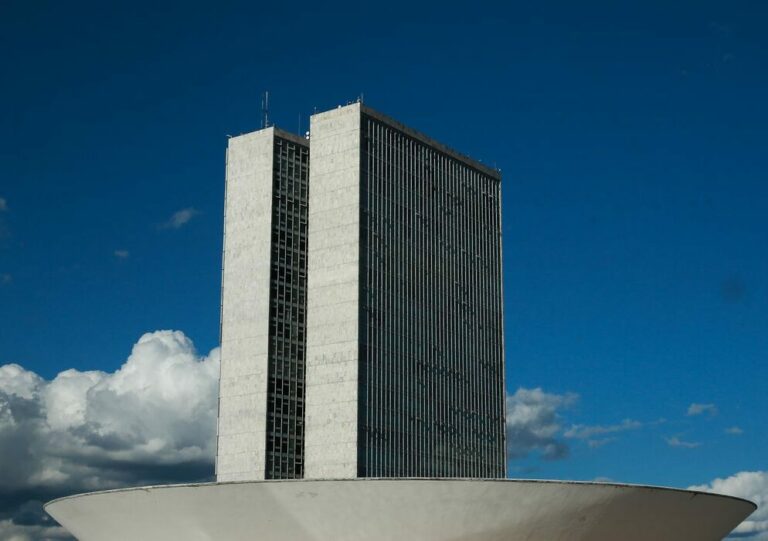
{"x":154,"y":421}
{"x":751,"y":486}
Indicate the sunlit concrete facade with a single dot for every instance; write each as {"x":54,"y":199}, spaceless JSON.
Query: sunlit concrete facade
{"x":333,"y":309}
{"x":263,"y":312}
{"x":405,"y":363}
{"x":377,"y":268}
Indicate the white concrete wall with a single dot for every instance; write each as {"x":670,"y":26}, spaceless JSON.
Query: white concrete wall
{"x":245,"y":308}
{"x":332,"y":312}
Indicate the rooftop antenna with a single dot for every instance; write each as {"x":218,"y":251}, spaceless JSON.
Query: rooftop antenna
{"x":265,"y":110}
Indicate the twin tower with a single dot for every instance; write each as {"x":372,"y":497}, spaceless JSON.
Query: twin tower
{"x":361,"y":320}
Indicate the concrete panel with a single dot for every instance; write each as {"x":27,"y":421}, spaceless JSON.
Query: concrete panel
{"x":339,"y":274}
{"x":239,"y":466}
{"x":331,"y":199}
{"x":233,"y":386}
{"x":334,"y":237}
{"x":332,"y":311}
{"x":332,"y":294}
{"x":331,"y":329}
{"x":232,"y":477}
{"x":335,"y":256}
{"x":326,"y":415}
{"x":245,"y":307}
{"x":235,"y":416}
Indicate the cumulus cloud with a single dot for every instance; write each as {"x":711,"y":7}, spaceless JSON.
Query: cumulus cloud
{"x":699,"y":409}
{"x":10,"y":531}
{"x":151,"y":421}
{"x":3,"y":204}
{"x":734,"y":431}
{"x":750,"y":485}
{"x":180,"y":218}
{"x":5,"y":278}
{"x":122,"y":254}
{"x":534,"y":423}
{"x":675,"y":441}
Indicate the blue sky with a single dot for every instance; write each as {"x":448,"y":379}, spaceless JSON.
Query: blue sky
{"x":631,"y":139}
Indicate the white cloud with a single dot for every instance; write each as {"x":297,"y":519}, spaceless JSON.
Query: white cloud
{"x":675,"y":441}
{"x":151,"y":421}
{"x":5,"y":278}
{"x":3,"y":204}
{"x":122,"y":254}
{"x":734,"y":431}
{"x":10,"y":531}
{"x":584,"y":432}
{"x":750,"y":485}
{"x":16,"y":381}
{"x":698,"y":409}
{"x":534,"y":423}
{"x":595,"y":444}
{"x":180,"y":218}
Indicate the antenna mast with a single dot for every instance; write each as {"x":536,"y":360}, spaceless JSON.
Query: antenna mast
{"x":265,"y":110}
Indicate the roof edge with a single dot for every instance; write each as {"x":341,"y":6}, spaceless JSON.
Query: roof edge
{"x":445,"y":149}
{"x":401,"y":479}
{"x":275,"y":131}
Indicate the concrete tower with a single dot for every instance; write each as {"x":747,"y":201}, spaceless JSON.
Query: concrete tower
{"x":263,"y":313}
{"x":405,"y":363}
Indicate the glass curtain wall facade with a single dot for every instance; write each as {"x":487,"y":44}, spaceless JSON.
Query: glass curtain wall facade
{"x":288,"y":309}
{"x":431,"y":394}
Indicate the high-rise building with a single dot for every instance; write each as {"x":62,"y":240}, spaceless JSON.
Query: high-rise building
{"x":388,"y":315}
{"x":405,"y":364}
{"x":263,"y":314}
